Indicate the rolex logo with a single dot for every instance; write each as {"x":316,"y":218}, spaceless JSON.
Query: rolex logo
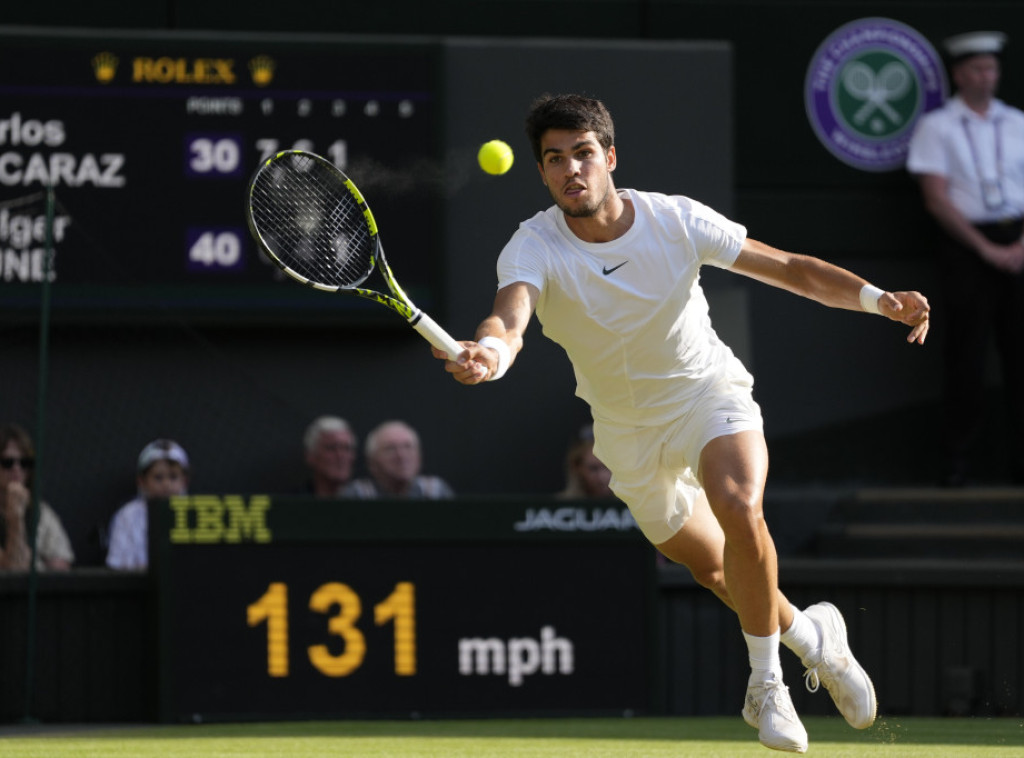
{"x":104,"y":66}
{"x":261,"y":68}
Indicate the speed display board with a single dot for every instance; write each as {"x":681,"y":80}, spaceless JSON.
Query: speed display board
{"x":148,"y":142}
{"x":298,"y":608}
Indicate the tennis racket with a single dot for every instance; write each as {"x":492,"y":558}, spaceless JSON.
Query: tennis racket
{"x":315,"y":225}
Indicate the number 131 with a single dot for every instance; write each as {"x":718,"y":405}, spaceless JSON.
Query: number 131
{"x":399,"y":606}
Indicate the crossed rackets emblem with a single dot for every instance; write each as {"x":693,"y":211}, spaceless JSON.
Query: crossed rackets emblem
{"x":876,"y":90}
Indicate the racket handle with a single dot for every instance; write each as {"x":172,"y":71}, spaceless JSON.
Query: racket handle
{"x":437,"y":336}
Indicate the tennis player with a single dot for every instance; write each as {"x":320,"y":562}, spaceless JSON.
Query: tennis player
{"x":613,"y":277}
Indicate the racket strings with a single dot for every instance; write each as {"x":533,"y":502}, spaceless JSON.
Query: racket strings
{"x":311,"y":222}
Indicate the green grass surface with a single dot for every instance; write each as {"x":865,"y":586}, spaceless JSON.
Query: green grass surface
{"x":539,"y":738}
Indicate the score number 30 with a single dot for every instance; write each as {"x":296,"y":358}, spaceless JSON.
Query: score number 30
{"x":399,"y":606}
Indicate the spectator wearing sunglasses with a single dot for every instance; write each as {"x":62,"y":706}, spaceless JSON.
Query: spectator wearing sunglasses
{"x":53,"y":548}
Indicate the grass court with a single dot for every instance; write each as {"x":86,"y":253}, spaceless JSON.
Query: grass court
{"x":718,"y":737}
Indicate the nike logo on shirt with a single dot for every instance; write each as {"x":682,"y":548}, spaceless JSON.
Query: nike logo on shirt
{"x":607,"y":270}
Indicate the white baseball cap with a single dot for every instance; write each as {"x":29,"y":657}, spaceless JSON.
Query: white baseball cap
{"x":162,"y":450}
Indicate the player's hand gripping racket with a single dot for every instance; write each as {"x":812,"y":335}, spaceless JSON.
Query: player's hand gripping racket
{"x":314,"y":223}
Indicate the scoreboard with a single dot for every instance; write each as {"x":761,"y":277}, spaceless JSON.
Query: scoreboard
{"x":293,"y":607}
{"x":149,"y":140}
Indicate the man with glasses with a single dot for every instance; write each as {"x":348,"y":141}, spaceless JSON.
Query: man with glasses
{"x":394,"y":458}
{"x":330,"y":455}
{"x":53,"y":548}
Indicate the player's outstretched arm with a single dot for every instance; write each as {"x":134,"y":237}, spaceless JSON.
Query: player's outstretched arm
{"x":832,"y":286}
{"x":499,"y":338}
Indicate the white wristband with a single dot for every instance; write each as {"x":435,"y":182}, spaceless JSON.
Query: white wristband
{"x":869,"y":297}
{"x":504,"y":355}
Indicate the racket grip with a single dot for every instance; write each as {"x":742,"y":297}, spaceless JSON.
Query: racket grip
{"x":437,"y":336}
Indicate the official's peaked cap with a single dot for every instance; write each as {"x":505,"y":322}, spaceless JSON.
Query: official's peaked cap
{"x":974,"y":43}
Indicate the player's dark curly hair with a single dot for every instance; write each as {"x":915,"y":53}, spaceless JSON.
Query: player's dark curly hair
{"x":575,"y":112}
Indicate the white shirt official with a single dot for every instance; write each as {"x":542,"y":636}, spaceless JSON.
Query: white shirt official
{"x":981,"y":157}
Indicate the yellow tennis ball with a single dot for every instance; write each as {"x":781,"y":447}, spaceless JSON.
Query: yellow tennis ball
{"x":495,"y":157}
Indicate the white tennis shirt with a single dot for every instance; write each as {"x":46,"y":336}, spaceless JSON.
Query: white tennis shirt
{"x":630,"y":313}
{"x":973,"y":151}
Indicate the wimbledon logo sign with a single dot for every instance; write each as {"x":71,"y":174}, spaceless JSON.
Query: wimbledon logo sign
{"x":867,"y":85}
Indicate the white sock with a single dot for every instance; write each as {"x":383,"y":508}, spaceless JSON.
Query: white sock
{"x":803,"y":636}
{"x":764,"y":657}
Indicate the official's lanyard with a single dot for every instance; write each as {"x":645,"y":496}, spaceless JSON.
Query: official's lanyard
{"x":991,"y":189}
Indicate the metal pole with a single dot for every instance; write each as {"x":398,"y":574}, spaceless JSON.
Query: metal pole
{"x":40,"y":440}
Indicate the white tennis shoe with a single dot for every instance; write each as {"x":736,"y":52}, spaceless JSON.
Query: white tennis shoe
{"x":769,"y":709}
{"x":835,"y":667}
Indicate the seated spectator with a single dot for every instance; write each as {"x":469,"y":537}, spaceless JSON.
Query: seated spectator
{"x":393,"y":459}
{"x":53,"y":548}
{"x":330,"y":455}
{"x":162,"y":471}
{"x":586,"y":475}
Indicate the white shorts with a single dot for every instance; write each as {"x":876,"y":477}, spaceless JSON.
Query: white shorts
{"x":654,"y":469}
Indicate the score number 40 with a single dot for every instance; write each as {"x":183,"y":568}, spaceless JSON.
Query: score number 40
{"x":399,"y":607}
